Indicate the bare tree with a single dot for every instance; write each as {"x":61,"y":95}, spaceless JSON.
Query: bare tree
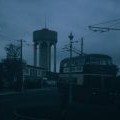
{"x":14,"y":66}
{"x":13,"y":51}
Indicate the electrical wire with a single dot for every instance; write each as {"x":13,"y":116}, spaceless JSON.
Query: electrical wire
{"x":110,"y":21}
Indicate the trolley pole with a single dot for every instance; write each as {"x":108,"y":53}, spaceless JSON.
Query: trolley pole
{"x":70,"y":69}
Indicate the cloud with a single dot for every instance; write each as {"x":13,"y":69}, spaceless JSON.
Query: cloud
{"x":19,"y":18}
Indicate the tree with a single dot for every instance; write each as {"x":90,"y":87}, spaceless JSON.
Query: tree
{"x":14,"y":66}
{"x":13,"y":51}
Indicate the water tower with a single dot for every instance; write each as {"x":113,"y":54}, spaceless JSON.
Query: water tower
{"x":43,"y":40}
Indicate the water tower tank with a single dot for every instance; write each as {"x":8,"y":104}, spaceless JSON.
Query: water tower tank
{"x":44,"y":39}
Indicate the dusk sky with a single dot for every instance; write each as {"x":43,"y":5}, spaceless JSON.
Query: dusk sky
{"x":19,"y":18}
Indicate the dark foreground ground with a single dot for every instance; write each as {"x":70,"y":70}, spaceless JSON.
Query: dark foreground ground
{"x":46,"y":104}
{"x":72,"y":112}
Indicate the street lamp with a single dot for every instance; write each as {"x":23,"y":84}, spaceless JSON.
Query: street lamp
{"x":70,"y":68}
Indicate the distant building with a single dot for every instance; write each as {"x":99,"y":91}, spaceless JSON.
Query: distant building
{"x":89,"y":69}
{"x":33,"y":76}
{"x":14,"y":75}
{"x":32,"y":73}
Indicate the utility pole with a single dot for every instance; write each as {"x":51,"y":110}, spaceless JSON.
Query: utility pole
{"x":70,"y":69}
{"x":81,"y":45}
{"x":21,"y":46}
{"x":21,"y":59}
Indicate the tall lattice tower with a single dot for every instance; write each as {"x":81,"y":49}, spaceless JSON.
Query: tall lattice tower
{"x":43,"y":40}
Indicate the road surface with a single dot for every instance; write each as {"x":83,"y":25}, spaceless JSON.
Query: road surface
{"x":13,"y":102}
{"x":45,"y":104}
